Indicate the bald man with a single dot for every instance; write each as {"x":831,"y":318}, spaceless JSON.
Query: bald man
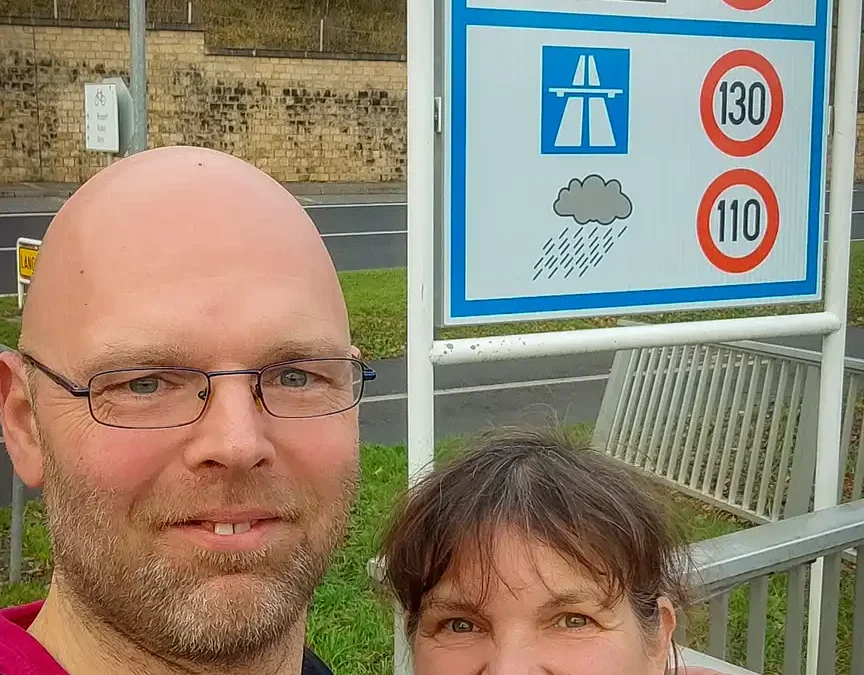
{"x":185,"y":394}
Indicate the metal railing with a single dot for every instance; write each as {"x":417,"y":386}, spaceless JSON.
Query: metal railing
{"x":751,"y":558}
{"x":732,"y":424}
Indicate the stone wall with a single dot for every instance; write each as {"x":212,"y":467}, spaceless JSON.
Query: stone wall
{"x":299,"y":119}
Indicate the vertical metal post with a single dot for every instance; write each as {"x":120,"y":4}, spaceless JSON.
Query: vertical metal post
{"x":138,"y":73}
{"x":421,"y":256}
{"x":16,"y":538}
{"x":843,"y":142}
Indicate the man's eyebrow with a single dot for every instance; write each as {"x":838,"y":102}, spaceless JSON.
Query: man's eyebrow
{"x":163,"y":356}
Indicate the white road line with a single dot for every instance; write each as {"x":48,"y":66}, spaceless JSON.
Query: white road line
{"x":527,"y":384}
{"x":354,"y":205}
{"x":369,"y":233}
{"x":28,"y":214}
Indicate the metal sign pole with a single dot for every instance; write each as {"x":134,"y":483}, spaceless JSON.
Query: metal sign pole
{"x":828,"y":470}
{"x":421,"y":260}
{"x":138,"y":71}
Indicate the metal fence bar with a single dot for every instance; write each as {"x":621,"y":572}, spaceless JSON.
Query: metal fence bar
{"x":768,"y":467}
{"x":661,"y":414}
{"x":756,"y":622}
{"x":614,"y":397}
{"x":856,"y":666}
{"x":828,"y":618}
{"x":639,"y":421}
{"x":696,"y":413}
{"x":719,"y":420}
{"x":859,"y":463}
{"x":743,"y":365}
{"x":804,"y":462}
{"x":674,"y":409}
{"x":648,"y":429}
{"x":846,"y":433}
{"x":791,"y":423}
{"x":632,"y":400}
{"x":749,"y":409}
{"x":710,"y":403}
{"x":796,"y":608}
{"x":16,"y":538}
{"x":718,"y":624}
{"x":757,"y":435}
{"x":631,"y":357}
{"x":696,"y":367}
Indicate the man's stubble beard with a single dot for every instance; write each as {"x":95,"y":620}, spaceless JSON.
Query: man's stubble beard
{"x":170,"y":607}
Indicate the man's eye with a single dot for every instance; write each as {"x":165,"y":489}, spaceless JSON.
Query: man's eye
{"x":573,"y":621}
{"x":144,"y":385}
{"x":460,"y":625}
{"x":293,"y":378}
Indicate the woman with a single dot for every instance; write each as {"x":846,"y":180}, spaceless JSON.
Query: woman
{"x":528,"y":556}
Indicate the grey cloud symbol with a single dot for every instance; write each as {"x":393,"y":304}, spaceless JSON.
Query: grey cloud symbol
{"x":593,"y":199}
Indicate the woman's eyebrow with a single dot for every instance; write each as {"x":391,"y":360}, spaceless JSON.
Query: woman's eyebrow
{"x":568,"y":599}
{"x":452,"y":606}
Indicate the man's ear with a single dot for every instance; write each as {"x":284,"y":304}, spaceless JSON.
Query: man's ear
{"x":355,"y":352}
{"x":18,"y":421}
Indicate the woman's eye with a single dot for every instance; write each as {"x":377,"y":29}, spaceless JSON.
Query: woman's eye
{"x":460,"y":625}
{"x":573,"y":621}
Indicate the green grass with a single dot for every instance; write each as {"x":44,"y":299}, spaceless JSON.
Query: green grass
{"x":350,"y":624}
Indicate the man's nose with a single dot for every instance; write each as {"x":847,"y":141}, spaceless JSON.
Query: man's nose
{"x":232,"y":428}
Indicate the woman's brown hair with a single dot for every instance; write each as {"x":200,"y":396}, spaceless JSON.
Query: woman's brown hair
{"x":585,"y":506}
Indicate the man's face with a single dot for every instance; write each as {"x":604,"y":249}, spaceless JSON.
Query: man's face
{"x":132,"y":512}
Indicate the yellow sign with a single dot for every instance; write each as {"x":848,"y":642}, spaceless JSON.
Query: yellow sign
{"x":27,"y":261}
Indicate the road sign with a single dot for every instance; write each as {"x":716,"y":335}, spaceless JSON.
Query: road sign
{"x":634,"y":156}
{"x":102,"y":126}
{"x":27,"y":251}
{"x":27,"y":260}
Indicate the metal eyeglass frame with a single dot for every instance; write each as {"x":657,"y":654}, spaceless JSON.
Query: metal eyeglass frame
{"x":82,"y":392}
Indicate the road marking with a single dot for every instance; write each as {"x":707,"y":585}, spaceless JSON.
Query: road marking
{"x":504,"y":386}
{"x":28,"y":214}
{"x":368,"y":233}
{"x":355,"y":205}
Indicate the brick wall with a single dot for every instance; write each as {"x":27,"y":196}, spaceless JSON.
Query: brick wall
{"x":299,"y":119}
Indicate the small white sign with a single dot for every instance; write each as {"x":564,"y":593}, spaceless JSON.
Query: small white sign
{"x":607,"y":158}
{"x":102,"y":133}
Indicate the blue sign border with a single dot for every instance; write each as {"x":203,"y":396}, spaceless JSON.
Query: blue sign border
{"x":461,"y":309}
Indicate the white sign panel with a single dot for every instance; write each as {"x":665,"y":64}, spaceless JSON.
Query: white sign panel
{"x":102,"y":126}
{"x":634,"y":157}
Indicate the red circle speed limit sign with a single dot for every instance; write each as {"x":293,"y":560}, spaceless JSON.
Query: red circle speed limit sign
{"x":747,"y":5}
{"x":738,"y":221}
{"x":741,"y":103}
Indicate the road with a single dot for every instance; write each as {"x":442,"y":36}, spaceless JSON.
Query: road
{"x":359,"y":236}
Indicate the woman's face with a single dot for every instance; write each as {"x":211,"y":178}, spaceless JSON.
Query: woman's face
{"x":541,"y":617}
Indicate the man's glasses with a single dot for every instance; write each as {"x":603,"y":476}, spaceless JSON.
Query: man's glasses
{"x":162,"y":398}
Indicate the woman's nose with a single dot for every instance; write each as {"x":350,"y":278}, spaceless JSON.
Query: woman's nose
{"x":514,"y":657}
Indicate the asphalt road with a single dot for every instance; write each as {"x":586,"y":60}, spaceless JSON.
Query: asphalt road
{"x":358,"y":236}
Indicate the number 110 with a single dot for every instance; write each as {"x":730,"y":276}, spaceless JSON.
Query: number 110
{"x":752,"y":225}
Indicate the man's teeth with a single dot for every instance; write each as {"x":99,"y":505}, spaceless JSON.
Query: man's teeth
{"x":231,"y":528}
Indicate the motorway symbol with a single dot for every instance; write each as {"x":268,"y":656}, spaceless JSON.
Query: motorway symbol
{"x":585,"y":101}
{"x":741,"y":114}
{"x":746,"y":220}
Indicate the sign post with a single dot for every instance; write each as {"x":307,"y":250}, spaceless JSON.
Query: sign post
{"x":629,"y":157}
